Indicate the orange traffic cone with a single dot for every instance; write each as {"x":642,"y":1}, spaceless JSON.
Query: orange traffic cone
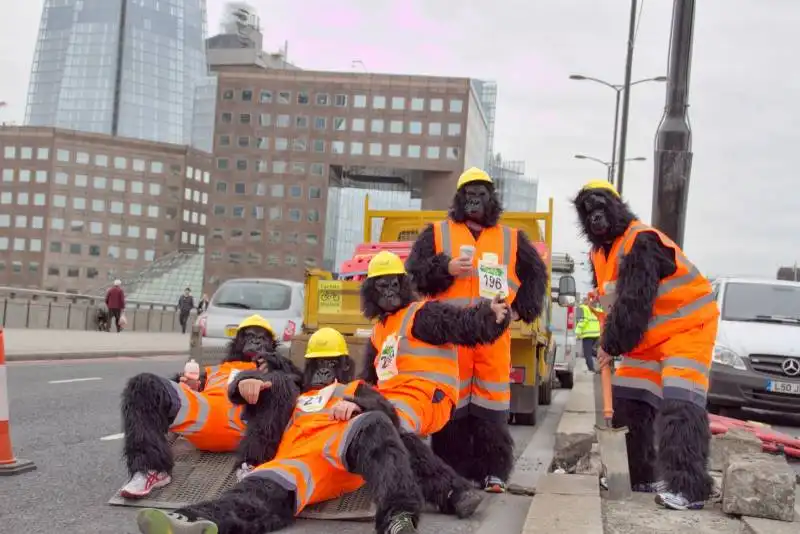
{"x":8,"y":464}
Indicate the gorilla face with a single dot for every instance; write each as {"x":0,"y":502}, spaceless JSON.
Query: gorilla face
{"x":384,"y":295}
{"x":478,"y":203}
{"x":254,"y":342}
{"x":320,"y":372}
{"x":603,"y":216}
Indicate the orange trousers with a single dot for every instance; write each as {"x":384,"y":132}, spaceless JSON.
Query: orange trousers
{"x":419,"y":413}
{"x":678,"y":368}
{"x":210,"y":423}
{"x":314,"y":464}
{"x":484,"y":371}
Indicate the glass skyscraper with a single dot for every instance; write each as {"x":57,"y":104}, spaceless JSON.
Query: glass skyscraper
{"x":119,"y":67}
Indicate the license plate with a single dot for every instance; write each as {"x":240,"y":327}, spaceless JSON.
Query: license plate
{"x":783,"y":387}
{"x":230,"y":331}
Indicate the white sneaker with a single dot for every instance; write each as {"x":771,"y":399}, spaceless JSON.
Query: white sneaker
{"x":141,"y":484}
{"x":242,"y":471}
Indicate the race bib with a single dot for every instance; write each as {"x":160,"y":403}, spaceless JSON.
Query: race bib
{"x":316,"y":401}
{"x":232,"y":376}
{"x":387,"y":359}
{"x":493,"y":279}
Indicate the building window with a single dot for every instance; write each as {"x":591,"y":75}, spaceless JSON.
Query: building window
{"x":337,"y":147}
{"x":299,"y":144}
{"x":317,"y":169}
{"x":56,"y":223}
{"x":314,"y":192}
{"x":39,"y":199}
{"x":133,"y":231}
{"x":454,"y":129}
{"x":6,"y":197}
{"x":417,"y":104}
{"x":358,"y":125}
{"x":359,"y":101}
{"x":258,"y":212}
{"x":340,"y":101}
{"x":262,"y":143}
{"x":265,"y":119}
{"x":8,"y":175}
{"x":59,"y":201}
{"x":283,"y":121}
{"x":101,"y":160}
{"x":456,"y":105}
{"x":435,"y":128}
{"x":415,"y":127}
{"x":378,"y":102}
{"x":113,"y":252}
{"x":414,"y":151}
{"x":227,"y":94}
{"x":37,"y":222}
{"x":375,"y":149}
{"x":437,"y":104}
{"x":281,"y":144}
{"x":294,"y":215}
{"x":154,"y":189}
{"x":73,"y":272}
{"x":376,"y":126}
{"x":82,"y":158}
{"x":244,"y":118}
{"x":247,"y":95}
{"x":53,"y":271}
{"x":120,"y":163}
{"x":398,"y":102}
{"x":298,"y":167}
{"x":226,"y":118}
{"x":295,"y":191}
{"x":24,"y":176}
{"x":19,"y":244}
{"x":224,"y":140}
{"x":76,"y":227}
{"x":276,"y":190}
{"x":151,"y":234}
{"x":137,"y":187}
{"x":339,"y":124}
{"x":395,"y":150}
{"x":75,"y":249}
{"x":117,"y":208}
{"x":55,"y":247}
{"x":99,"y":182}
{"x":42,"y":153}
{"x":396,"y":127}
{"x":81,"y":180}
{"x":284,"y":97}
{"x":62,"y":155}
{"x":320,"y":123}
{"x":278,"y":167}
{"x":275,"y":213}
{"x":41,"y":177}
{"x":241,"y":164}
{"x":432,"y":152}
{"x":131,"y":254}
{"x":239,"y":188}
{"x":95,"y":228}
{"x":319,"y":145}
{"x":322,"y":99}
{"x":302,"y":98}
{"x":312,"y":215}
{"x":265,"y":97}
{"x":20,"y":221}
{"x":135,"y":209}
{"x":356,"y":148}
{"x":138,"y":165}
{"x":91,"y":272}
{"x":10,"y":152}
{"x":452,"y":152}
{"x":301,"y":121}
{"x":262,"y":165}
{"x":244,"y":141}
{"x":26,"y":152}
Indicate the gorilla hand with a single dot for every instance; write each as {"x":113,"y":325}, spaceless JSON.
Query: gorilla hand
{"x":344,"y":410}
{"x":459,"y":266}
{"x":250,"y":388}
{"x":500,"y":308}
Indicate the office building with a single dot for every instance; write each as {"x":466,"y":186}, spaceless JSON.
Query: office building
{"x":126,"y":68}
{"x":80,"y":209}
{"x":287,"y":141}
{"x":516,"y":191}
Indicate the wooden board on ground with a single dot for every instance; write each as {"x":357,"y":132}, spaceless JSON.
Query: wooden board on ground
{"x":201,"y":476}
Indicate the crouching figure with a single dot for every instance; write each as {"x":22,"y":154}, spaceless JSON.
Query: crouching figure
{"x":197,"y":409}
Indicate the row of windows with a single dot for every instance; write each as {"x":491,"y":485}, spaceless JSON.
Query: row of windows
{"x":83,"y":158}
{"x":76,"y":226}
{"x":359,"y":101}
{"x":253,"y":258}
{"x":119,"y":185}
{"x":96,"y":205}
{"x":339,"y":124}
{"x":198,"y":175}
{"x":277,"y":167}
{"x":273,"y":213}
{"x":21,"y":244}
{"x":273,"y":236}
{"x":275,"y":190}
{"x":318,"y":146}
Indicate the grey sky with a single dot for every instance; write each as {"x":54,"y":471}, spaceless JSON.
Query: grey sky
{"x":744,"y":214}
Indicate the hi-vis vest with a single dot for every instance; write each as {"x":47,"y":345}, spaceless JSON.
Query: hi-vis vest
{"x":313,"y":409}
{"x":589,"y":325}
{"x":449,"y":236}
{"x":404,"y":361}
{"x":684,"y":300}
{"x":219,"y":377}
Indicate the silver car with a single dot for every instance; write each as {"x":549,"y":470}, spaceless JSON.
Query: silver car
{"x":278,"y":301}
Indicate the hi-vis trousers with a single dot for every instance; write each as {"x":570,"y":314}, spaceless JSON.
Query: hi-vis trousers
{"x":210,"y":423}
{"x":485,"y":390}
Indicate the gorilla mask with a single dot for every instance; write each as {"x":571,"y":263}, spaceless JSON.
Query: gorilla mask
{"x":321,"y":372}
{"x":254,"y":343}
{"x":603,"y":216}
{"x":384,"y":295}
{"x":477,"y":203}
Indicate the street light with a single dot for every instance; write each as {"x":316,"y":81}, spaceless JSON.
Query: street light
{"x":609,"y":164}
{"x":618,"y":88}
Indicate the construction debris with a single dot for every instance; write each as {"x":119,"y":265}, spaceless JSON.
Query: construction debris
{"x":734,"y":441}
{"x":759,"y":485}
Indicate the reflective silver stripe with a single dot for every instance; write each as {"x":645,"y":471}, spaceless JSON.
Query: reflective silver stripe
{"x":506,"y":246}
{"x":628,"y":361}
{"x":405,"y":409}
{"x":463,"y":401}
{"x":636,"y":383}
{"x":678,"y":362}
{"x":286,"y":479}
{"x":233,"y":421}
{"x":327,"y":453}
{"x":307,"y":478}
{"x":669,"y":285}
{"x":499,"y":387}
{"x":183,"y":412}
{"x":431,"y":352}
{"x":212,"y":380}
{"x":350,"y":431}
{"x":681,"y":312}
{"x":460,"y":302}
{"x":682,"y":383}
{"x":466,"y":383}
{"x":447,"y":244}
{"x":624,"y":244}
{"x":440,"y":378}
{"x":496,"y":406}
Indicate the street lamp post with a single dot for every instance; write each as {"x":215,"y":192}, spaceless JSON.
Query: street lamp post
{"x":618,"y":88}
{"x":609,"y":164}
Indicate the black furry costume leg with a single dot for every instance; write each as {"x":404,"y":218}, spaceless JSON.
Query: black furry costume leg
{"x":493,"y":448}
{"x":640,"y":418}
{"x":684,"y":443}
{"x":454,"y":445}
{"x":149,"y":405}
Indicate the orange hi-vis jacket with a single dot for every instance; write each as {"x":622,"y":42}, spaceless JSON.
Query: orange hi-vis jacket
{"x":208,"y":419}
{"x":450,"y":236}
{"x":410,"y":372}
{"x":311,"y":460}
{"x":674,"y":356}
{"x":484,"y":370}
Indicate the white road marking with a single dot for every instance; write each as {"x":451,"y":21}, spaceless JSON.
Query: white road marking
{"x":89,"y":379}
{"x":112,"y":437}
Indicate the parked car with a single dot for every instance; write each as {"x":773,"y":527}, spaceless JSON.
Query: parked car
{"x":756,"y":362}
{"x":562,"y":323}
{"x":278,"y":301}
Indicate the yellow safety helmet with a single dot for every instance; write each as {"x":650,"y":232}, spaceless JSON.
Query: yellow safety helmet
{"x":473,"y":174}
{"x":600,"y":184}
{"x":326,"y":343}
{"x":385,"y":263}
{"x":256,"y":320}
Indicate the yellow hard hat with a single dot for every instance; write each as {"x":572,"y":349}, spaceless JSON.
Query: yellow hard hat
{"x":256,"y":320}
{"x":385,"y":263}
{"x":473,"y":174}
{"x":326,"y":343}
{"x":600,"y":184}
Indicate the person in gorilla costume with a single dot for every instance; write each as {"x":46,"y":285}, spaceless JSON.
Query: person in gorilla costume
{"x":477,"y":442}
{"x":339,"y":435}
{"x":198,"y":410}
{"x":660,"y":314}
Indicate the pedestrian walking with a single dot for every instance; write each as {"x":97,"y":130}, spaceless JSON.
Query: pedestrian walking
{"x":203,"y":304}
{"x":588,"y":332}
{"x":185,"y":307}
{"x":115,"y":302}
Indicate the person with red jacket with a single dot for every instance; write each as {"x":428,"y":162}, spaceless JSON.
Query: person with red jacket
{"x":115,"y":301}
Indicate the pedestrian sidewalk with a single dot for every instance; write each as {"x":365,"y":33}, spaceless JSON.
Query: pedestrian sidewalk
{"x":23,"y":344}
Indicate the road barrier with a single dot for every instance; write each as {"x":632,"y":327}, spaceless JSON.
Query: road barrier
{"x":9,"y":465}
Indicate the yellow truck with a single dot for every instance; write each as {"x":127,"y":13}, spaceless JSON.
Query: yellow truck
{"x":335,"y":303}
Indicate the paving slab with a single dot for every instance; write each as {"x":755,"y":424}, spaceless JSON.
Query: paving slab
{"x":757,"y":525}
{"x":641,"y":514}
{"x":564,"y":514}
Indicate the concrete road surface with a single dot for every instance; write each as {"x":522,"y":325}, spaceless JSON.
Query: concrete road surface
{"x":60,"y":414}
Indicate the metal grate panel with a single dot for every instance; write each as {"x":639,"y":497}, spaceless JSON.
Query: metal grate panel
{"x":201,"y":476}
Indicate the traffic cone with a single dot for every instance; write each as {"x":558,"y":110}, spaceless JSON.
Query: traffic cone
{"x":9,"y":465}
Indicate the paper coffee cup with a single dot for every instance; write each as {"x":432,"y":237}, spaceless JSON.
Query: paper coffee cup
{"x":467,"y":250}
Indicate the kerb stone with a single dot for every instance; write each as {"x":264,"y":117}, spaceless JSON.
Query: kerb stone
{"x":758,"y":485}
{"x":734,"y":441}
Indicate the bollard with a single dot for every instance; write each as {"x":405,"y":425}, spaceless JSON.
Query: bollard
{"x":8,"y":464}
